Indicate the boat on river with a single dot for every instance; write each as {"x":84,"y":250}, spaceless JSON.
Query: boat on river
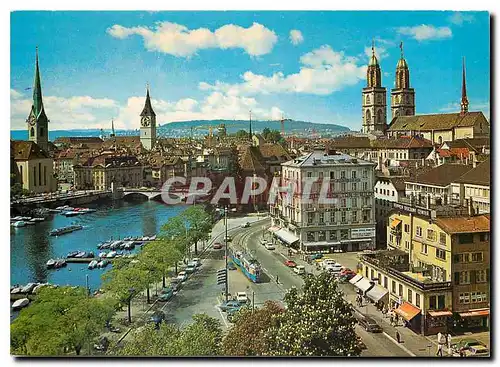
{"x":20,"y":303}
{"x":103,"y":264}
{"x":64,"y":230}
{"x":71,"y":213}
{"x":93,"y":264}
{"x":51,"y":263}
{"x":19,"y":223}
{"x":60,"y":263}
{"x":72,"y":254}
{"x":111,"y":254}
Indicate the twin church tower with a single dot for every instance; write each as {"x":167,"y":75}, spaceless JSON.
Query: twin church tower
{"x":374,"y":103}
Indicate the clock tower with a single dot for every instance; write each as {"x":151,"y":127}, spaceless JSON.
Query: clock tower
{"x":38,"y":123}
{"x":148,"y":124}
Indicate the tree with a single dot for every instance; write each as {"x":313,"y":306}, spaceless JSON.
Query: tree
{"x":199,"y":224}
{"x":175,"y":231}
{"x":273,"y":136}
{"x":242,"y":134}
{"x":247,"y":335}
{"x":57,"y":320}
{"x":200,"y":338}
{"x":318,"y":322}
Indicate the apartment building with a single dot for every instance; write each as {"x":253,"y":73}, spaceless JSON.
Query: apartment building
{"x":475,"y":186}
{"x":307,"y":223}
{"x":388,"y":190}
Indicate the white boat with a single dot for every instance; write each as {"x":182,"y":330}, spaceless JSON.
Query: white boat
{"x":37,"y":220}
{"x":51,"y":263}
{"x":152,"y":238}
{"x":103,"y":264}
{"x":19,"y":223}
{"x":111,"y":254}
{"x":26,"y":218}
{"x":93,"y":264}
{"x":20,"y":303}
{"x":28,"y":287}
{"x":102,"y":254}
{"x":30,"y":223}
{"x":38,"y":287}
{"x":16,"y":290}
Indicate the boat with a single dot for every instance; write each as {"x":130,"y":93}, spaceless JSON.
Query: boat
{"x":28,"y":287}
{"x":72,"y":254}
{"x":103,"y":264}
{"x":26,"y":218}
{"x":114,"y":245}
{"x":30,"y":223}
{"x":16,"y":290}
{"x":37,"y":220}
{"x":60,"y":263}
{"x":111,"y":254}
{"x":102,"y":254}
{"x":20,"y":303}
{"x":64,"y":230}
{"x":15,"y":219}
{"x":89,"y":255}
{"x":67,"y":208}
{"x":54,"y":210}
{"x":51,"y":263}
{"x":93,"y":264}
{"x":19,"y":223}
{"x":81,"y":254}
{"x":129,"y":245}
{"x":71,"y":213}
{"x":152,"y":238}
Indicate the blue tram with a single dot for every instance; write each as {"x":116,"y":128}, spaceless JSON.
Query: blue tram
{"x":248,"y":265}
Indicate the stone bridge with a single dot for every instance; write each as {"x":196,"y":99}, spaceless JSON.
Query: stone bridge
{"x":149,"y":193}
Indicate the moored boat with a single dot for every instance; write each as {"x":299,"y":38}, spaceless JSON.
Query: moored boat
{"x":60,"y":263}
{"x":81,"y":254}
{"x":72,"y":254}
{"x":20,"y":303}
{"x":51,"y":263}
{"x":102,"y":254}
{"x":111,"y":254}
{"x":19,"y":223}
{"x":93,"y":264}
{"x":64,"y":230}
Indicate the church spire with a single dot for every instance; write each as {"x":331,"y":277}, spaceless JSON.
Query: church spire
{"x":148,"y":109}
{"x":37,"y":89}
{"x":373,"y":75}
{"x":464,"y":103}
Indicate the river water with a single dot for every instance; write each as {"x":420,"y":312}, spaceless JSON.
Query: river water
{"x":31,"y":246}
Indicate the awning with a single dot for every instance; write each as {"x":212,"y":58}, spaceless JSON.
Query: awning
{"x":473,"y":313}
{"x":377,"y":293}
{"x":395,"y":222}
{"x":286,"y":236}
{"x":321,"y":243}
{"x":363,"y":284}
{"x":356,"y":278}
{"x":407,"y":311}
{"x":439,"y":313}
{"x":273,"y":229}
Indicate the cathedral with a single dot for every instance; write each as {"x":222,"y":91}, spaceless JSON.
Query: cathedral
{"x":374,"y":102}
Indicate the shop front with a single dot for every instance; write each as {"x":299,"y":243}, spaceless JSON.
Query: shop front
{"x":411,"y":314}
{"x":437,"y":321}
{"x":287,"y":238}
{"x":475,"y":319}
{"x":378,"y":295}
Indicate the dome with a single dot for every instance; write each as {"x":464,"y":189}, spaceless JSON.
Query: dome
{"x":402,"y":64}
{"x":373,"y":61}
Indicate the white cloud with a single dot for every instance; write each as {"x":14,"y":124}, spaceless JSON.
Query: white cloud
{"x":14,"y":94}
{"x":460,"y":18}
{"x":473,"y":106}
{"x":296,"y":37}
{"x":177,"y":40}
{"x":425,"y":32}
{"x":323,"y":72}
{"x":380,"y":52}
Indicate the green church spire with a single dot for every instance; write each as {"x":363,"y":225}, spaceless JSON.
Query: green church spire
{"x":37,"y":90}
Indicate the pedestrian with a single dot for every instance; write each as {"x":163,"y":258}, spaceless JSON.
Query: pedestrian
{"x":392,"y":320}
{"x":439,"y":351}
{"x":398,"y":336}
{"x":448,"y":341}
{"x":277,"y":279}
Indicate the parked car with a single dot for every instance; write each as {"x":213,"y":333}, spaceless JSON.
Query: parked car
{"x":217,"y":246}
{"x":263,"y":242}
{"x":229,"y":305}
{"x":190,"y":269}
{"x":182,"y":276}
{"x":157,"y":318}
{"x":477,"y":351}
{"x":369,"y":324}
{"x":245,"y":225}
{"x":197,"y":262}
{"x":290,"y":263}
{"x":231,"y":266}
{"x":165,"y":294}
{"x":176,"y":284}
{"x":327,"y":262}
{"x":316,"y":256}
{"x":465,"y":344}
{"x":269,"y":246}
{"x":242,"y":297}
{"x":300,"y":269}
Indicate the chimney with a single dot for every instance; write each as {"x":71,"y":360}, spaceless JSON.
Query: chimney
{"x":428,"y":203}
{"x":470,"y":207}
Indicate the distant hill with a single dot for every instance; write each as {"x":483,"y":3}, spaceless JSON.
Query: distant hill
{"x":183,"y":128}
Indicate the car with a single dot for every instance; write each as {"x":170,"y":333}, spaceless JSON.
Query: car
{"x":176,"y":284}
{"x":165,"y":294}
{"x":263,"y":242}
{"x":182,"y":276}
{"x":217,"y":246}
{"x":290,"y":263}
{"x":300,"y":270}
{"x":360,"y":343}
{"x":327,"y":262}
{"x":369,"y":324}
{"x":231,"y":304}
{"x":157,"y":318}
{"x":229,"y":238}
{"x":191,"y":268}
{"x":477,"y":351}
{"x":231,"y":266}
{"x":316,"y":256}
{"x":465,"y":344}
{"x":242,"y":297}
{"x":245,"y":225}
{"x":269,"y":246}
{"x":197,"y":262}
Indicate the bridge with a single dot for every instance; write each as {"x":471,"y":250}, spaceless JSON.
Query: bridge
{"x":154,"y":193}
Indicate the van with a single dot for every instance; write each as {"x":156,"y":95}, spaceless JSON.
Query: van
{"x":299,"y":269}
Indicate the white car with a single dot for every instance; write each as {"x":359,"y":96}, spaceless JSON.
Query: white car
{"x":335,"y":269}
{"x":299,"y":269}
{"x":197,"y":261}
{"x":263,"y":242}
{"x":327,"y":262}
{"x":241,"y":297}
{"x":182,"y":276}
{"x":269,"y":246}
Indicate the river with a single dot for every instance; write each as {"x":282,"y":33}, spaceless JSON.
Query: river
{"x":31,"y":246}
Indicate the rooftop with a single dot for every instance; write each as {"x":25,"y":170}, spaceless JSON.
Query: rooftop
{"x":330,"y":159}
{"x":477,"y":176}
{"x":442,"y":121}
{"x":441,"y":175}
{"x":465,"y":224}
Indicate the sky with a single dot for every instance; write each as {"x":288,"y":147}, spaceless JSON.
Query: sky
{"x":308,"y":66}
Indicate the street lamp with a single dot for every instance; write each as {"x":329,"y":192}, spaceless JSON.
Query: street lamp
{"x":225,"y":253}
{"x":131,"y":294}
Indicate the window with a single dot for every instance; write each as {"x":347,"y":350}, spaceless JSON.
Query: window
{"x":343,"y":217}
{"x":343,"y":203}
{"x":477,"y":257}
{"x":365,"y":186}
{"x":431,"y":235}
{"x":465,"y":238}
{"x":354,"y":215}
{"x":481,"y":276}
{"x":366,"y":216}
{"x":400,"y":290}
{"x":410,"y":296}
{"x":484,"y":237}
{"x":473,"y":297}
{"x":321,"y":236}
{"x":407,"y":228}
{"x":310,"y":218}
{"x":365,"y":173}
{"x":321,"y":218}
{"x":393,"y":287}
{"x":333,"y":235}
{"x":344,"y":234}
{"x":419,"y":231}
{"x":321,"y":174}
{"x":441,"y":302}
{"x":354,"y":186}
{"x":385,"y":282}
{"x":343,"y":187}
{"x":432,"y":302}
{"x":309,"y":174}
{"x":442,"y":238}
{"x":464,"y":277}
{"x":461,"y":298}
{"x":372,"y":275}
{"x":417,"y":299}
{"x":354,"y":202}
{"x":407,"y":245}
{"x":376,"y":190}
{"x":366,"y":272}
{"x":342,"y":174}
{"x":424,"y":248}
{"x":310,"y":237}
{"x":440,"y":254}
{"x":353,"y":174}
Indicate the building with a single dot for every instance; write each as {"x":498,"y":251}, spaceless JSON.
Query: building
{"x":436,"y":183}
{"x":99,"y":172}
{"x":402,"y":96}
{"x":38,"y":122}
{"x":388,"y":190}
{"x":33,"y":167}
{"x":148,"y":124}
{"x":374,"y":104}
{"x":347,"y":224}
{"x":475,"y":186}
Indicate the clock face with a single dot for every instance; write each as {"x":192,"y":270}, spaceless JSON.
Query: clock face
{"x":146,"y":121}
{"x":32,"y":120}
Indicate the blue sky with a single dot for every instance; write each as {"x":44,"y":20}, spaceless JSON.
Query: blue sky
{"x":205,"y":65}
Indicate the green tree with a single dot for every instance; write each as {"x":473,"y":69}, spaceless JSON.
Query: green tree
{"x":175,"y":231}
{"x":317,"y":322}
{"x":242,"y":134}
{"x":200,"y":338}
{"x":247,"y":335}
{"x":199,"y":224}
